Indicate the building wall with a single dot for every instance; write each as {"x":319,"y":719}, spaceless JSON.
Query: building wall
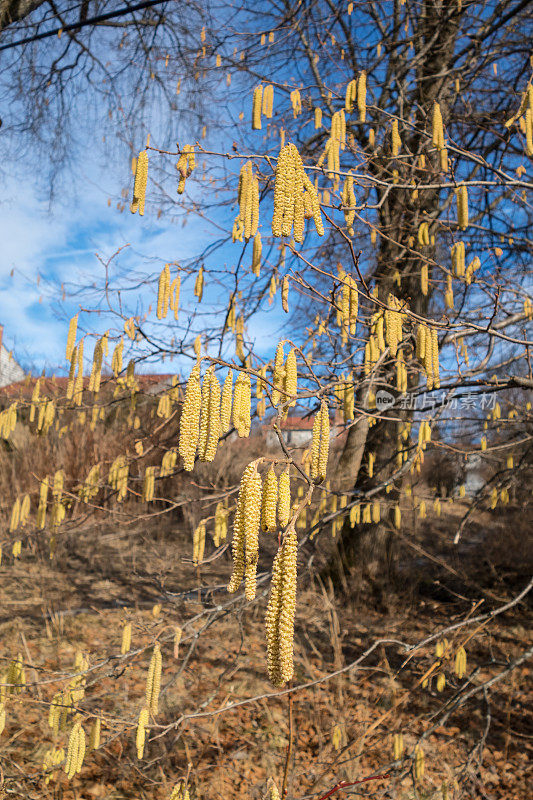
{"x":10,"y":371}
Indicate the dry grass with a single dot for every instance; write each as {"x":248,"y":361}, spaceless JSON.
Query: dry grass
{"x":99,"y":577}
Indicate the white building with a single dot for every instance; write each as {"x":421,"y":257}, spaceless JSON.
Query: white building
{"x":10,"y":371}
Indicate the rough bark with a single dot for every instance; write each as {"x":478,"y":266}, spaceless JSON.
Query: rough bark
{"x":16,"y":10}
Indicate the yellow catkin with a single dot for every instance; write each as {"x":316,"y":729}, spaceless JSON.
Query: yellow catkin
{"x":269,"y":501}
{"x":435,"y":357}
{"x":256,"y":255}
{"x":529,"y":131}
{"x":257,"y":107}
{"x":185,"y":165}
{"x":279,"y":621}
{"x":71,"y":338}
{"x":245,"y":514}
{"x":296,"y":102}
{"x":396,"y":142}
{"x":361,"y":96}
{"x":397,"y":746}
{"x":153,"y":681}
{"x":226,"y":403}
{"x":290,"y":378}
{"x":242,"y":405}
{"x":320,"y":445}
{"x":139,"y":186}
{"x":248,"y":198}
{"x":348,"y":201}
{"x":458,"y":259}
{"x":199,"y":285}
{"x":462,"y":206}
{"x":351,"y":91}
{"x":284,"y":498}
{"x":437,"y":135}
{"x":190,"y":420}
{"x":291,"y":183}
{"x":251,"y":511}
{"x":126,"y":639}
{"x":278,"y":374}
{"x":318,"y":118}
{"x":210,"y":417}
{"x":94,"y":736}
{"x":268,"y":101}
{"x":285,"y":294}
{"x":140,"y":737}
{"x":419,"y":765}
{"x":163,"y":294}
{"x":15,"y":515}
{"x":198,"y":544}
{"x":424,"y":284}
{"x":221,"y":524}
{"x":460,"y":662}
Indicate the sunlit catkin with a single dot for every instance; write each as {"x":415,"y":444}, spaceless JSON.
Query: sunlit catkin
{"x":139,"y":186}
{"x":190,"y":420}
{"x":419,"y":765}
{"x":71,"y":338}
{"x":126,"y":639}
{"x":242,"y":405}
{"x":460,"y":662}
{"x":268,"y":101}
{"x":209,"y":417}
{"x":284,"y":498}
{"x":396,"y":142}
{"x":142,"y":725}
{"x":153,"y":681}
{"x":257,"y":107}
{"x":397,"y":746}
{"x":361,"y":96}
{"x":462,"y":206}
{"x":279,"y":621}
{"x":94,"y":735}
{"x":269,"y":501}
{"x":226,"y":403}
{"x":163,"y":293}
{"x":320,"y":446}
{"x":290,"y":380}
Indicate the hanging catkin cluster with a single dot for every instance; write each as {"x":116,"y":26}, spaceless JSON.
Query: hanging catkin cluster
{"x":164,"y":293}
{"x":291,"y":186}
{"x":427,"y":351}
{"x":190,"y":420}
{"x":320,"y":445}
{"x":279,"y":622}
{"x":245,"y":545}
{"x":139,"y":185}
{"x":209,"y":417}
{"x":221,"y":524}
{"x":349,"y":306}
{"x":185,"y":166}
{"x":262,"y":104}
{"x":393,"y":324}
{"x":248,"y":198}
{"x":76,"y":750}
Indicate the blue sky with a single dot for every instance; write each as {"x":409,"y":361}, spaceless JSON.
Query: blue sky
{"x":49,"y":244}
